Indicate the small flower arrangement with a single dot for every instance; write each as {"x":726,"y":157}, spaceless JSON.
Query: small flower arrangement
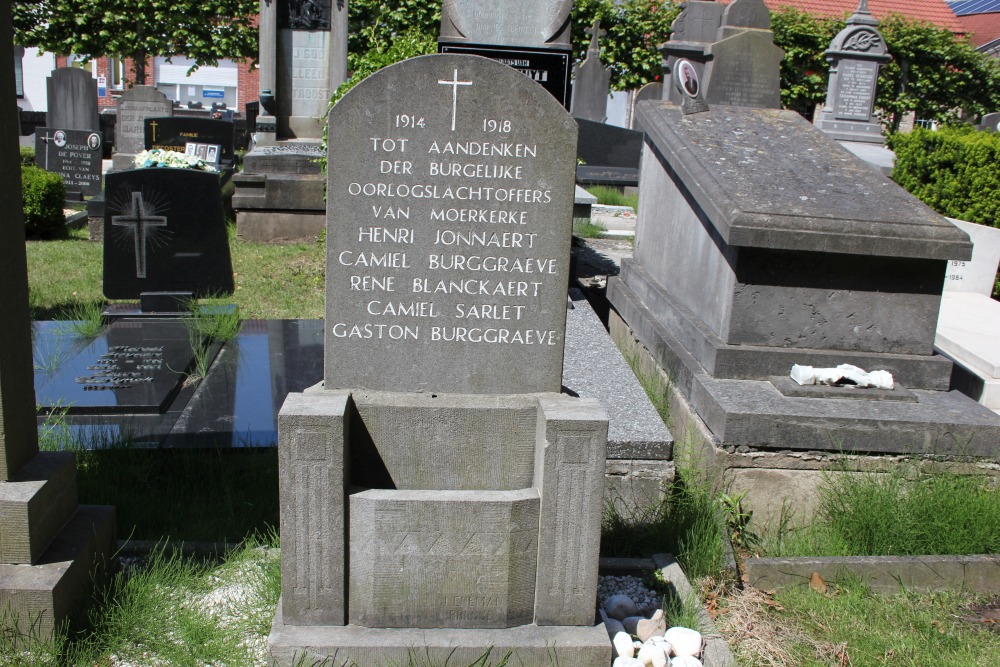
{"x":157,"y":157}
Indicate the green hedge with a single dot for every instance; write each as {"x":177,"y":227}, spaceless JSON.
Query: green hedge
{"x":955,"y":171}
{"x":27,"y":155}
{"x":44,"y":196}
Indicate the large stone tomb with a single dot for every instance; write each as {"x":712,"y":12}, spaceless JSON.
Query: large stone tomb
{"x":440,"y":499}
{"x":761,"y":243}
{"x":164,"y":231}
{"x":49,"y":544}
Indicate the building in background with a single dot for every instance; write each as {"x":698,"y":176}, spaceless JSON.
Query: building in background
{"x":980,"y":20}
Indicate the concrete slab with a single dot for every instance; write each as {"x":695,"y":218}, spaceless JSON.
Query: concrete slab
{"x":877,"y":155}
{"x":351,"y":645}
{"x":593,"y":367}
{"x":753,"y":414}
{"x":969,"y":331}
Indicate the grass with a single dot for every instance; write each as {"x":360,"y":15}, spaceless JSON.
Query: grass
{"x":609,"y":196}
{"x":209,"y":324}
{"x":171,"y":610}
{"x":583,"y":228}
{"x":217,"y":495}
{"x":898,"y":513}
{"x":273,"y":281}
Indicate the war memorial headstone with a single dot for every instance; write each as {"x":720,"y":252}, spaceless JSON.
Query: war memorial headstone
{"x":790,"y":251}
{"x":532,"y":37}
{"x":591,"y":81}
{"x":72,"y":100}
{"x":132,"y":108}
{"x":473,"y":520}
{"x":854,"y":56}
{"x":49,"y":544}
{"x":73,"y":154}
{"x":164,"y":231}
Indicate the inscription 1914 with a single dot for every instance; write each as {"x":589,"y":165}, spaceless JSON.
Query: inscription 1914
{"x":452,"y":219}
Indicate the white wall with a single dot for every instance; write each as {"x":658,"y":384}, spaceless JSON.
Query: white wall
{"x":36,"y":67}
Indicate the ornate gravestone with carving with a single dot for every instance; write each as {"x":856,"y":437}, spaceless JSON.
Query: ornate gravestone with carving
{"x":854,"y":55}
{"x":303,"y":59}
{"x":441,"y":498}
{"x":590,"y":81}
{"x":732,"y":50}
{"x":533,"y":37}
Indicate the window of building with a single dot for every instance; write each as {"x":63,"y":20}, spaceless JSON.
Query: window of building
{"x":116,"y":72}
{"x":77,"y":61}
{"x":19,"y":72}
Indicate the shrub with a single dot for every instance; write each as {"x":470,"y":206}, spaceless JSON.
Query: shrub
{"x":44,"y":195}
{"x":27,"y":156}
{"x":953,"y":170}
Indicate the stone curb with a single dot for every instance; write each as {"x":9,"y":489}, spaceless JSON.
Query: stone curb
{"x":716,"y":653}
{"x":883,"y":574}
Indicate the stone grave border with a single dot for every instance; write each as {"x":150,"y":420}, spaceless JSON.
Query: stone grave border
{"x":715,"y":651}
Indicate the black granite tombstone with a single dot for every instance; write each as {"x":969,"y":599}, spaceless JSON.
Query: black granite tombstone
{"x":181,"y":133}
{"x":550,"y":68}
{"x":164,"y":231}
{"x":73,"y":154}
{"x":133,"y":367}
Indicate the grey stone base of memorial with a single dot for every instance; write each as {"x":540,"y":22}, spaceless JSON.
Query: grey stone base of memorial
{"x":528,"y":645}
{"x":123,"y":161}
{"x":279,"y":225}
{"x":754,"y":414}
{"x":849,"y":130}
{"x":753,"y":362}
{"x":44,"y":595}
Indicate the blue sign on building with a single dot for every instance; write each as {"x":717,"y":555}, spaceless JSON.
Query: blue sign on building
{"x":213,"y":94}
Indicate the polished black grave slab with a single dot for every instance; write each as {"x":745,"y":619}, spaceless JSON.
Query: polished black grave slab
{"x":130,"y":367}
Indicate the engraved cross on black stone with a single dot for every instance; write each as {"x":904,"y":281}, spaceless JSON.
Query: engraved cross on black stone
{"x":139,"y":221}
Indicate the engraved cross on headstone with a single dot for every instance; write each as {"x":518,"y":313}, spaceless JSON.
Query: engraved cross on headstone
{"x":595,"y":33}
{"x":153,"y":124}
{"x":454,"y":83}
{"x":139,"y":221}
{"x":47,"y":139}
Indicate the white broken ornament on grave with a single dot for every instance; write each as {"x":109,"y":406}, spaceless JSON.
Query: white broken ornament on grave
{"x":844,"y":375}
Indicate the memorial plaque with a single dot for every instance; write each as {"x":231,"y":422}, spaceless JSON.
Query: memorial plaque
{"x":164,"y":231}
{"x":304,"y":55}
{"x":855,"y":90}
{"x":449,"y":215}
{"x":133,"y":107}
{"x":73,"y":154}
{"x":744,"y":71}
{"x":548,"y":68}
{"x":132,"y":367}
{"x":176,"y":132}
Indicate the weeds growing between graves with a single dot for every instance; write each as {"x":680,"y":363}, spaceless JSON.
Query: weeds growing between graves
{"x":902,"y":512}
{"x":583,"y":228}
{"x":609,"y":196}
{"x":209,"y":325}
{"x":84,"y":318}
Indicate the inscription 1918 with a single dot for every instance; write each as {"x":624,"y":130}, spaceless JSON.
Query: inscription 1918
{"x":450,"y":232}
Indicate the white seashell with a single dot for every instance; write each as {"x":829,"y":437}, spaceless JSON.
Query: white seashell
{"x":684,"y":641}
{"x":623,"y":645}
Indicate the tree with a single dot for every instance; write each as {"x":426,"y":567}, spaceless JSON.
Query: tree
{"x":635,"y":29}
{"x":137,"y":29}
{"x":804,"y":70}
{"x":934,"y":74}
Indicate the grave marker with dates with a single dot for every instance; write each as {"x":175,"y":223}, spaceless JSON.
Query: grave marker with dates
{"x":449,"y":217}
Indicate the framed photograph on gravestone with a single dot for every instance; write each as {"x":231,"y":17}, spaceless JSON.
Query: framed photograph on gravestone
{"x":190,"y":148}
{"x":212,"y":154}
{"x":165,"y":231}
{"x":202,"y":151}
